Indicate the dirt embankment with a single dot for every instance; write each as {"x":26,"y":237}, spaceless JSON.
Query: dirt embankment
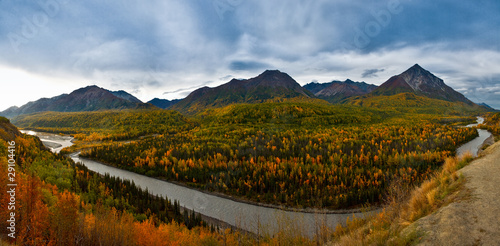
{"x":475,"y":219}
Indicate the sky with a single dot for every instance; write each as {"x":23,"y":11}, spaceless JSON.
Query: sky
{"x":168,"y":48}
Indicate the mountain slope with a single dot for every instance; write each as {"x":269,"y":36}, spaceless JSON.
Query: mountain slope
{"x":488,"y":107}
{"x":91,"y":98}
{"x":336,"y":91}
{"x":164,"y":103}
{"x":268,"y":86}
{"x":411,"y":103}
{"x":420,"y":82}
{"x":125,"y":95}
{"x":288,"y":113}
{"x":8,"y":132}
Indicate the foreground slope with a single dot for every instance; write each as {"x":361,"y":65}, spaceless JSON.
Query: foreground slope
{"x":473,"y":221}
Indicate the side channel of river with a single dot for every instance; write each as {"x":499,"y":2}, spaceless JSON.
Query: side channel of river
{"x":249,"y":217}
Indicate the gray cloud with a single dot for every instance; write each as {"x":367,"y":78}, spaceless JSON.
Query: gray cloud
{"x":226,"y":78}
{"x":247,"y":66}
{"x":166,"y":45}
{"x":188,"y":90}
{"x":370,"y":73}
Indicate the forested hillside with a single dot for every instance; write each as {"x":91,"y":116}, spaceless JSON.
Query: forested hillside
{"x":411,"y":103}
{"x":111,"y":124}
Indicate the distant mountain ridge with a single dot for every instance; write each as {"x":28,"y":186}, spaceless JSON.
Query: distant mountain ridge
{"x":420,"y":82}
{"x":486,"y":106}
{"x":270,"y":85}
{"x":336,"y":91}
{"x":316,"y":87}
{"x":90,"y":98}
{"x":164,"y":103}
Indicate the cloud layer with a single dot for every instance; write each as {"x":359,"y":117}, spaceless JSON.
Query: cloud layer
{"x":158,"y":46}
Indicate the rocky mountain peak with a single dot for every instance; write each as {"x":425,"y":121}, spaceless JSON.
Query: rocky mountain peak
{"x":421,"y":80}
{"x":273,"y":78}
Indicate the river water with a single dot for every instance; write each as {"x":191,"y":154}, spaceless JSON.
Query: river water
{"x":474,"y":145}
{"x":257,"y":219}
{"x":53,"y":141}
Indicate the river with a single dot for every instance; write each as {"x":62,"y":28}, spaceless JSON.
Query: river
{"x":53,"y":141}
{"x":249,"y":217}
{"x":476,"y":144}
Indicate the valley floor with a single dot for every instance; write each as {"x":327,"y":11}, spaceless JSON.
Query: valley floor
{"x":474,"y":219}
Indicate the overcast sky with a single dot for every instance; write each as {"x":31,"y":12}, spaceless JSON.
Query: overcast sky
{"x":167,"y":48}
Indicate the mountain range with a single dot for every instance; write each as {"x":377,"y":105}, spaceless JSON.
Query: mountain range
{"x":336,"y":91}
{"x":163,"y":103}
{"x":270,"y":86}
{"x":90,"y":98}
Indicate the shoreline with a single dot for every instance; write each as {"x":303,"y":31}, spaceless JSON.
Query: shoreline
{"x":487,"y":142}
{"x":51,"y":145}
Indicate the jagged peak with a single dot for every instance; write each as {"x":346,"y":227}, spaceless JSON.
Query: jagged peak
{"x":273,"y":74}
{"x":273,"y":78}
{"x":417,"y":66}
{"x":89,"y":88}
{"x":416,"y":70}
{"x":92,"y":87}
